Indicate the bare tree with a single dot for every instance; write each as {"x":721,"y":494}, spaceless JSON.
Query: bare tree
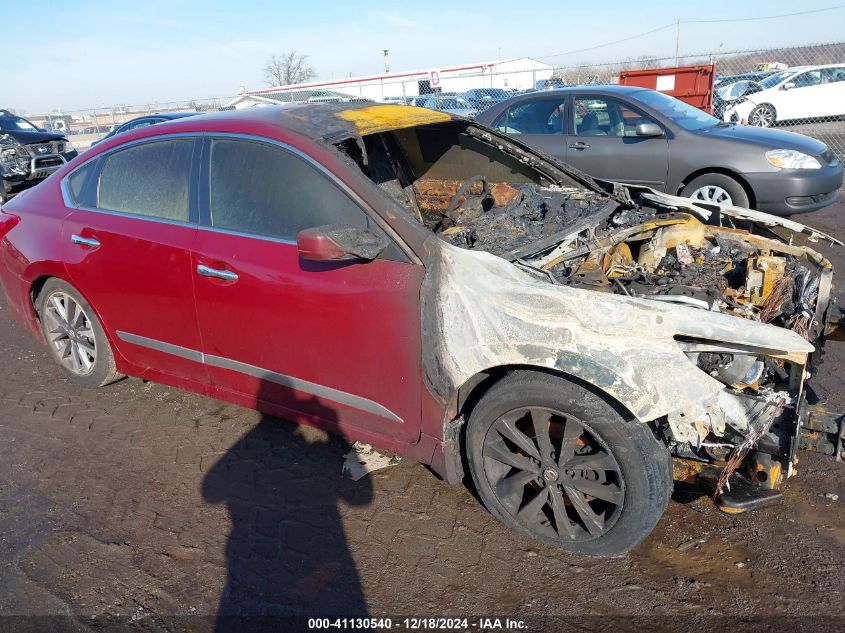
{"x":647,"y":62}
{"x":288,"y":68}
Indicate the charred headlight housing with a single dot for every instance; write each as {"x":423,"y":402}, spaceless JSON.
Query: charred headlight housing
{"x":737,"y":366}
{"x":731,"y":369}
{"x":792,"y":159}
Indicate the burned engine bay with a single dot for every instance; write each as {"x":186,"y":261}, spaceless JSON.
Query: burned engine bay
{"x":581,"y":240}
{"x":479,"y":191}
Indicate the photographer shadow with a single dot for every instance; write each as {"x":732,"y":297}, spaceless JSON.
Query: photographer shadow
{"x":287,"y":553}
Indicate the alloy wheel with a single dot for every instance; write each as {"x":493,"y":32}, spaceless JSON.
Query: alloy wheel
{"x":70,"y":334}
{"x":553,"y":474}
{"x":762,"y":116}
{"x":712,"y":193}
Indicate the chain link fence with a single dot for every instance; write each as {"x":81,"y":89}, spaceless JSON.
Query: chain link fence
{"x":799,"y":89}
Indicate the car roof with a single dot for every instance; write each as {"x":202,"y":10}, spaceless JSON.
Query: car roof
{"x":322,"y":122}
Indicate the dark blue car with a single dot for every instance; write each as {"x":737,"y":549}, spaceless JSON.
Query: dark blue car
{"x":144,"y":121}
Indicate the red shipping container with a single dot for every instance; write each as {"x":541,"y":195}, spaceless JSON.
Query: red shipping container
{"x":692,"y":84}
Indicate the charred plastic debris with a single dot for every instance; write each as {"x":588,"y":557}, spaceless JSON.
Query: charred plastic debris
{"x":614,"y":239}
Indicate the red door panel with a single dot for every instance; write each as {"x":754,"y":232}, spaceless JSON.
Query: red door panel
{"x":337,"y":343}
{"x":140,"y":282}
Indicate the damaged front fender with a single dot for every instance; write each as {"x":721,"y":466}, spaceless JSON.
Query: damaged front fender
{"x":481,"y":312}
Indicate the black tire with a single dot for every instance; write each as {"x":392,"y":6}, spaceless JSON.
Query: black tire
{"x":737,"y":193}
{"x":636,"y":466}
{"x":66,"y":346}
{"x":764,"y":115}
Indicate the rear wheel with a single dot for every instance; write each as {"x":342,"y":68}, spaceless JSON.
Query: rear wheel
{"x":556,"y":462}
{"x":74,"y":335}
{"x":718,"y":189}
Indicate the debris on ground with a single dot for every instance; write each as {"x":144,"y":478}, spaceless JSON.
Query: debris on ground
{"x":363,"y":459}
{"x":691,"y":543}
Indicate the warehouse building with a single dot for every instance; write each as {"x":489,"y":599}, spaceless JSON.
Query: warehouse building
{"x":512,"y":75}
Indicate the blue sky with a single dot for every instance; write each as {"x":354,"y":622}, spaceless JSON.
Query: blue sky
{"x":93,"y":53}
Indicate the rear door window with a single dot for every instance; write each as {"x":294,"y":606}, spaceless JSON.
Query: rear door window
{"x":833,"y":75}
{"x":78,"y":184}
{"x":151,"y":179}
{"x":261,"y":189}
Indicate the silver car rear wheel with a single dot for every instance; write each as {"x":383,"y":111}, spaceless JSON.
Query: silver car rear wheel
{"x":70,"y":334}
{"x":74,"y":335}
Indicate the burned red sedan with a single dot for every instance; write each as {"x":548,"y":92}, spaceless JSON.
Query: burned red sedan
{"x":424,"y":284}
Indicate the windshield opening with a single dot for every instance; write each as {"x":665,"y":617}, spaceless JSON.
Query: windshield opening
{"x":682,"y":114}
{"x":774,"y":80}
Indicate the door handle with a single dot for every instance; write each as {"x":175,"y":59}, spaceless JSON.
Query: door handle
{"x":85,"y":241}
{"x":226,"y":275}
{"x":578,"y":145}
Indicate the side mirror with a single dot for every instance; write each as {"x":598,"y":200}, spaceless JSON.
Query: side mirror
{"x":339,"y":242}
{"x":649,"y":129}
{"x":789,"y":85}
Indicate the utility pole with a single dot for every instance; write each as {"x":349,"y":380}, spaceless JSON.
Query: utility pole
{"x":386,"y":60}
{"x":678,"y":42}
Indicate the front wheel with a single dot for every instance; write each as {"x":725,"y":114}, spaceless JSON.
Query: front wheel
{"x":718,"y":189}
{"x":74,"y":335}
{"x":764,"y":115}
{"x":558,"y":463}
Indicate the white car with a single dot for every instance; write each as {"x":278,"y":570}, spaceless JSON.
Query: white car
{"x":804,"y":92}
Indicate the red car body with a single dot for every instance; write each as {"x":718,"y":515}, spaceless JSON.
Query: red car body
{"x":334,"y":347}
{"x":359,"y":291}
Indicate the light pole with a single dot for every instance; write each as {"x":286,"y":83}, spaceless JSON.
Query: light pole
{"x":678,"y":42}
{"x":386,"y":60}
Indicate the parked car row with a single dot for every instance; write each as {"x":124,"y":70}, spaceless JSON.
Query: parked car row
{"x":466,"y":104}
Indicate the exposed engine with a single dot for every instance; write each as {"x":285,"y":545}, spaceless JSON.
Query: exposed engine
{"x":656,"y":252}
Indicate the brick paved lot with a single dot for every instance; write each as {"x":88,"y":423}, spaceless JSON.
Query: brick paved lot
{"x":144,"y":501}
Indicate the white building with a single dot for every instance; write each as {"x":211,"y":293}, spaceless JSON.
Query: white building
{"x":511,"y":75}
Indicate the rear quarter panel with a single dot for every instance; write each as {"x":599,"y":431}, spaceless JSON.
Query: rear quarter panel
{"x":31,"y":250}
